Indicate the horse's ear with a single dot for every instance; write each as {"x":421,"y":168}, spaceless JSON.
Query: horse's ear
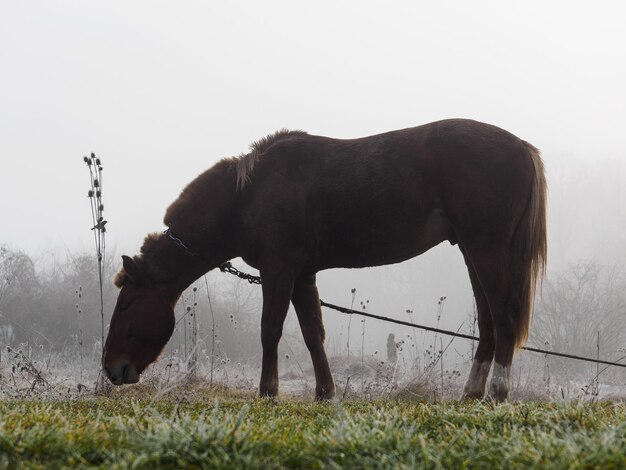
{"x":131,"y":269}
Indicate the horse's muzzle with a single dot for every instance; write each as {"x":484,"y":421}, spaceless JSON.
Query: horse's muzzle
{"x":122,"y":373}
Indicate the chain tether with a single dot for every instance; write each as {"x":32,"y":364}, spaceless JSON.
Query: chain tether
{"x":228,"y":268}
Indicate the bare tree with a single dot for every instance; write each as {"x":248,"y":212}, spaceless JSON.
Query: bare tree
{"x":40,"y":306}
{"x":576,"y":306}
{"x":20,"y":293}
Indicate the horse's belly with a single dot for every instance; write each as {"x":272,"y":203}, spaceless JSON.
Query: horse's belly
{"x":386,"y":242}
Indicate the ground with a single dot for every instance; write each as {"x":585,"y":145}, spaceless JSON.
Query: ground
{"x":198,"y":427}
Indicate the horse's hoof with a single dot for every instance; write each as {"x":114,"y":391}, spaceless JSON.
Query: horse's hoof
{"x":323,"y":394}
{"x":473,"y":395}
{"x":498,"y":394}
{"x":268,"y":392}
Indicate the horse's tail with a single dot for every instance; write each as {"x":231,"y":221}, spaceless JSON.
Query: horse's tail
{"x":530,"y":248}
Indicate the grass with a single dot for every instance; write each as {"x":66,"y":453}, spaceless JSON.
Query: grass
{"x":226,"y":430}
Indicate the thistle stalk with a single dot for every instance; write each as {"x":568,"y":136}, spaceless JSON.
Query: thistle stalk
{"x":99,"y":230}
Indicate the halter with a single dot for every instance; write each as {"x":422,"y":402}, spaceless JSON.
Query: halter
{"x":178,"y":242}
{"x":225,"y":267}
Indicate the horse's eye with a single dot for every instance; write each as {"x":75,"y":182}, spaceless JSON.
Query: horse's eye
{"x":124,"y":305}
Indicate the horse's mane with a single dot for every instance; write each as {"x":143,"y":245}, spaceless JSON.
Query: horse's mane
{"x":143,"y":259}
{"x":243,"y":167}
{"x":244,"y":164}
{"x":120,"y":278}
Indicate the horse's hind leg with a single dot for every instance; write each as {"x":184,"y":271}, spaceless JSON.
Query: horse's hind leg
{"x":475,"y":386}
{"x":492,"y":269}
{"x":277,"y":289}
{"x":306,"y":301}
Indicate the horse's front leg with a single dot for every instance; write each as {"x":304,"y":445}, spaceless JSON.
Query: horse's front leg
{"x":277,"y":288}
{"x":306,"y":301}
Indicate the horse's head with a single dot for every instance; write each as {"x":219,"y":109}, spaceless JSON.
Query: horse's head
{"x":142,"y":324}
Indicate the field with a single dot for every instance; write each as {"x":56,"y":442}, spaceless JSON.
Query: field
{"x":395,"y":406}
{"x":206,"y":428}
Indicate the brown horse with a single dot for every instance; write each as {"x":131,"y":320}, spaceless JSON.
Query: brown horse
{"x":298,"y":204}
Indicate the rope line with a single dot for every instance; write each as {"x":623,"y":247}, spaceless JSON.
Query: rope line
{"x":227,"y":267}
{"x":350,"y":311}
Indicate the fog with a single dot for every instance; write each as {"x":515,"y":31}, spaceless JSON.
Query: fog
{"x":160,"y":91}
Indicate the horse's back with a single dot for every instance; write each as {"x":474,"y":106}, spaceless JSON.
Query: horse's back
{"x":388,"y":197}
{"x":410,"y":154}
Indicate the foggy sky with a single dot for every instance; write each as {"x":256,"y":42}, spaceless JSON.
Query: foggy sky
{"x":162,"y":90}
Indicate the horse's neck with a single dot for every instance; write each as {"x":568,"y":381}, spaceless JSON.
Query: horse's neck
{"x":173,"y":268}
{"x":201,"y":225}
{"x":203,"y":217}
{"x":189,"y":274}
